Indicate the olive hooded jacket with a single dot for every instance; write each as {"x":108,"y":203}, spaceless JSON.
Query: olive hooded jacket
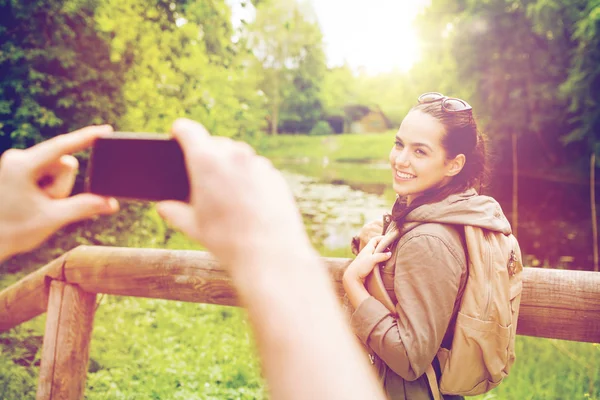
{"x":425,"y":277}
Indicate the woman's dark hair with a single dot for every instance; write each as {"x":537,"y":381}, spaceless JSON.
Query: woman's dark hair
{"x":461,"y":137}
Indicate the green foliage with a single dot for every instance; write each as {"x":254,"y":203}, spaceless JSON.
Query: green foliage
{"x":509,"y":58}
{"x":339,"y":89}
{"x":321,"y":128}
{"x":172,"y":350}
{"x":57,"y":74}
{"x":288,"y":45}
{"x":394,"y":92}
{"x":185,"y":64}
{"x":301,"y":108}
{"x":137,"y":65}
{"x":581,"y":87}
{"x":570,"y":371}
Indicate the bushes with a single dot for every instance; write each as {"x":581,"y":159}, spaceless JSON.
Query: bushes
{"x":321,"y":128}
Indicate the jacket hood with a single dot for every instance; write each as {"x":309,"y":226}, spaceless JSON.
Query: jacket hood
{"x":467,"y":208}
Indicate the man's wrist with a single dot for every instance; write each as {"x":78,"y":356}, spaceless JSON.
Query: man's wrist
{"x":273,"y":258}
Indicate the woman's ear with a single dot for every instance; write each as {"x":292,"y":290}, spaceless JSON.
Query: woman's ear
{"x":454,"y":166}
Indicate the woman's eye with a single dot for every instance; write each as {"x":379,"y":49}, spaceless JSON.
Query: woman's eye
{"x":420,"y":152}
{"x":398,"y":143}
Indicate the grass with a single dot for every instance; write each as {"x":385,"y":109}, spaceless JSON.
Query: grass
{"x":155,"y":349}
{"x":367,"y":147}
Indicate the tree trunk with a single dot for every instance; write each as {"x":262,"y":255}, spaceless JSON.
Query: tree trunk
{"x":275,"y":105}
{"x":593,"y":204}
{"x":515,"y":186}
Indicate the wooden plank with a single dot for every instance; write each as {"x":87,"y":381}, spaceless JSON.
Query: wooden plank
{"x":66,"y":349}
{"x":560,"y":304}
{"x":555,"y":303}
{"x":193,"y":276}
{"x":28,"y":298}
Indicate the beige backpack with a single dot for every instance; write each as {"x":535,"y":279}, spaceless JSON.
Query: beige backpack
{"x":483,"y":347}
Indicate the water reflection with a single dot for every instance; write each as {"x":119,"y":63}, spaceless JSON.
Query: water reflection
{"x":333,"y":213}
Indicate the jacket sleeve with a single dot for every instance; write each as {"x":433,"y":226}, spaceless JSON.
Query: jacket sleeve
{"x":426,"y":283}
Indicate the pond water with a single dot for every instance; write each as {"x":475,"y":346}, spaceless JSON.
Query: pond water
{"x":336,"y":199}
{"x":333,"y":213}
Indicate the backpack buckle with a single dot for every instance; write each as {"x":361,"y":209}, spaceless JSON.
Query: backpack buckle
{"x":512,"y":263}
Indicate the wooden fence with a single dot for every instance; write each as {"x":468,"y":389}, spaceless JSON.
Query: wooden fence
{"x":555,"y":303}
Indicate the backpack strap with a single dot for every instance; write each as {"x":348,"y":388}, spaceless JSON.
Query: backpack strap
{"x":433,"y":381}
{"x":373,"y":281}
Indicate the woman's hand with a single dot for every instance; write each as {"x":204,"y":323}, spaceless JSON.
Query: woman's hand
{"x":357,"y":271}
{"x":366,"y":233}
{"x":366,"y":260}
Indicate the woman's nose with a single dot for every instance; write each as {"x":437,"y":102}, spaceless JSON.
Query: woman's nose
{"x":401,"y":158}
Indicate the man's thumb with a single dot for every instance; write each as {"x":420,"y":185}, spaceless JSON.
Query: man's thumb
{"x":179,"y":215}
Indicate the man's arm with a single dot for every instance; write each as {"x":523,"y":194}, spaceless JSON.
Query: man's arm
{"x":242,"y":210}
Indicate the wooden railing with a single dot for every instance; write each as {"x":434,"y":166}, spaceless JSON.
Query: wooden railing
{"x":555,"y":303}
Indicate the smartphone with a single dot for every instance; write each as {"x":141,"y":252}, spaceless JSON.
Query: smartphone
{"x":138,"y":166}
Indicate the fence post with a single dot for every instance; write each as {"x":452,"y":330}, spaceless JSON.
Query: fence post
{"x":66,"y":348}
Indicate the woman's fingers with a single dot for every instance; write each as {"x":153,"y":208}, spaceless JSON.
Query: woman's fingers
{"x":372,"y":244}
{"x":381,"y":257}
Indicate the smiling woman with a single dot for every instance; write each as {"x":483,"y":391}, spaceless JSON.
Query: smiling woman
{"x":437,"y":161}
{"x":418,"y":159}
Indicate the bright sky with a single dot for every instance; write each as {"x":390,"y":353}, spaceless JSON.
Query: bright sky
{"x":374,"y":34}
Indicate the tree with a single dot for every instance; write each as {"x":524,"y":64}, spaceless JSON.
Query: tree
{"x":511,"y":66}
{"x":137,"y":65}
{"x":185,"y":64}
{"x":301,"y":107}
{"x":582,"y":88}
{"x":286,"y":40}
{"x":57,"y":74}
{"x":339,"y":89}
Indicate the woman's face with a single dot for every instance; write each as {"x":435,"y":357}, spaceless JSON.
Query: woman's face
{"x":418,"y":160}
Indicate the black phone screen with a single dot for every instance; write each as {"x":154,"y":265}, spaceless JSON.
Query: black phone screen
{"x":138,"y":166}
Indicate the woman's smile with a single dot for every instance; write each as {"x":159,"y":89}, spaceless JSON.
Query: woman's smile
{"x":403,"y":176}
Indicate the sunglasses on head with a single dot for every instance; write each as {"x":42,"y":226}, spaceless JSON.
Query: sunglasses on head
{"x":449,"y":104}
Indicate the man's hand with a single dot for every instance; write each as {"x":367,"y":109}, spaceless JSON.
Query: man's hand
{"x":35,"y":185}
{"x":240,"y":206}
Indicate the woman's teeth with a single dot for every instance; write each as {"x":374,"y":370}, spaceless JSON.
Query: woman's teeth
{"x":404,"y":175}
